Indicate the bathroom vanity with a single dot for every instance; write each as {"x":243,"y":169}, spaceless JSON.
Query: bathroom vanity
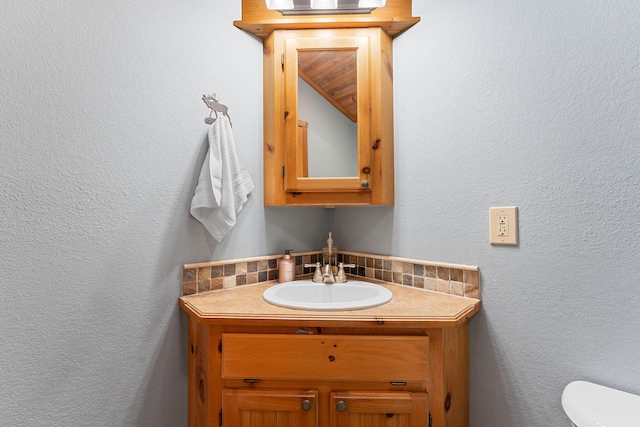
{"x":404,"y":363}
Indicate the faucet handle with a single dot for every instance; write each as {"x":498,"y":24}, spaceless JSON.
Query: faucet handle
{"x":342,"y":276}
{"x":317,"y":275}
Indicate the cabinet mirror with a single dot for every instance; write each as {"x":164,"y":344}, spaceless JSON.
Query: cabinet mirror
{"x":328,"y":113}
{"x":326,"y":90}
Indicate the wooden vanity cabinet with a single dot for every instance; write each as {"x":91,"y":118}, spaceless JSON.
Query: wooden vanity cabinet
{"x":326,"y":376}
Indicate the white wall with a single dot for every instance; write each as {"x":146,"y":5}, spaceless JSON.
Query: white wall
{"x":103,"y":136}
{"x":537,"y":105}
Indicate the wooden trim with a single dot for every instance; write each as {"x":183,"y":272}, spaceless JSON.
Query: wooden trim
{"x":204,"y":373}
{"x":273,"y":126}
{"x":394,"y":18}
{"x":303,"y":141}
{"x":382,"y":134}
{"x":449,"y":383}
{"x":329,"y":199}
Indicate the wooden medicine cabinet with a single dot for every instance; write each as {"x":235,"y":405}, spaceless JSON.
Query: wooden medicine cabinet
{"x":328,"y":104}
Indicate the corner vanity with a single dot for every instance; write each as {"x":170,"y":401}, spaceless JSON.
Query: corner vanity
{"x":404,"y":363}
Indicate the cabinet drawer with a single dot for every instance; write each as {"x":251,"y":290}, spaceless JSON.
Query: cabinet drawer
{"x":325,"y":357}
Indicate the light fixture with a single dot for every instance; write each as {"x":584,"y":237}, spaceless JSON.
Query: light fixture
{"x":324,"y":4}
{"x":280,"y":4}
{"x":372,"y":3}
{"x":324,"y":7}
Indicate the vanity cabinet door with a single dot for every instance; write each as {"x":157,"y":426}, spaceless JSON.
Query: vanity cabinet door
{"x":269,"y":408}
{"x":374,"y":409}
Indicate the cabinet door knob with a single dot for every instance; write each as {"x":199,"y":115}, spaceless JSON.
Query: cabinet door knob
{"x":341,"y":406}
{"x":306,"y":405}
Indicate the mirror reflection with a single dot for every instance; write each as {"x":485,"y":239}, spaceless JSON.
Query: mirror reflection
{"x":328,"y":113}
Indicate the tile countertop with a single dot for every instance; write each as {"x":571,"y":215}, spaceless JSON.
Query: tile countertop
{"x":410,"y":308}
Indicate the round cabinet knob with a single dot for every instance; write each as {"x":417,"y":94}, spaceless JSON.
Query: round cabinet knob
{"x":364,"y":183}
{"x":306,"y":405}
{"x":341,"y":406}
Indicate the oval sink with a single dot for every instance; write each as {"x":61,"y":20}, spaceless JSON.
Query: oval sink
{"x":308,"y":295}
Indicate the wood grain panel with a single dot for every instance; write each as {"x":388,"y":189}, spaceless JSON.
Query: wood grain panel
{"x":269,"y":408}
{"x":325,"y":357}
{"x":376,"y":409}
{"x":332,"y":73}
{"x":394,"y":18}
{"x":204,"y":402}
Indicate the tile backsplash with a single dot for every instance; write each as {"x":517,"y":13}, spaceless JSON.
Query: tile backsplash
{"x":455,"y":279}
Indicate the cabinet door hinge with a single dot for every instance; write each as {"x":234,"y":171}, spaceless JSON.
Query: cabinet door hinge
{"x":429,"y":419}
{"x":283,"y":170}
{"x":282,"y":61}
{"x":220,"y":418}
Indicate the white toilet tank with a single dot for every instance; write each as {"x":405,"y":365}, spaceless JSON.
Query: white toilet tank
{"x":593,"y":405}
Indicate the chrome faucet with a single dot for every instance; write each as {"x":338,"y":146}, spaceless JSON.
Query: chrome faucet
{"x":324,"y":274}
{"x":327,"y":274}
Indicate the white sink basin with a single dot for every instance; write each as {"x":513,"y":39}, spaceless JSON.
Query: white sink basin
{"x":308,"y":295}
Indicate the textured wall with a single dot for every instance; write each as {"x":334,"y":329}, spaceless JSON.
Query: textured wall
{"x":103,"y":137}
{"x":102,"y":140}
{"x":533,"y":104}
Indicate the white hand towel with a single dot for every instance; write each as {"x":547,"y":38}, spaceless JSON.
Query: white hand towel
{"x":224,"y":184}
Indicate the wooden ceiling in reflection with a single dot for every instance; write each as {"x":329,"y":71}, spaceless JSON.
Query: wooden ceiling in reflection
{"x":333,"y":74}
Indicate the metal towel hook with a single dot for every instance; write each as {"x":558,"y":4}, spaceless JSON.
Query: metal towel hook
{"x":215,"y":106}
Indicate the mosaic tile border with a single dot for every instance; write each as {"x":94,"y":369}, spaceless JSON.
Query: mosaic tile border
{"x":454,"y":279}
{"x":211,"y":276}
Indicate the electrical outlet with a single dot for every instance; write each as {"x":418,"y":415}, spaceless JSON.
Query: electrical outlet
{"x":503,"y":226}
